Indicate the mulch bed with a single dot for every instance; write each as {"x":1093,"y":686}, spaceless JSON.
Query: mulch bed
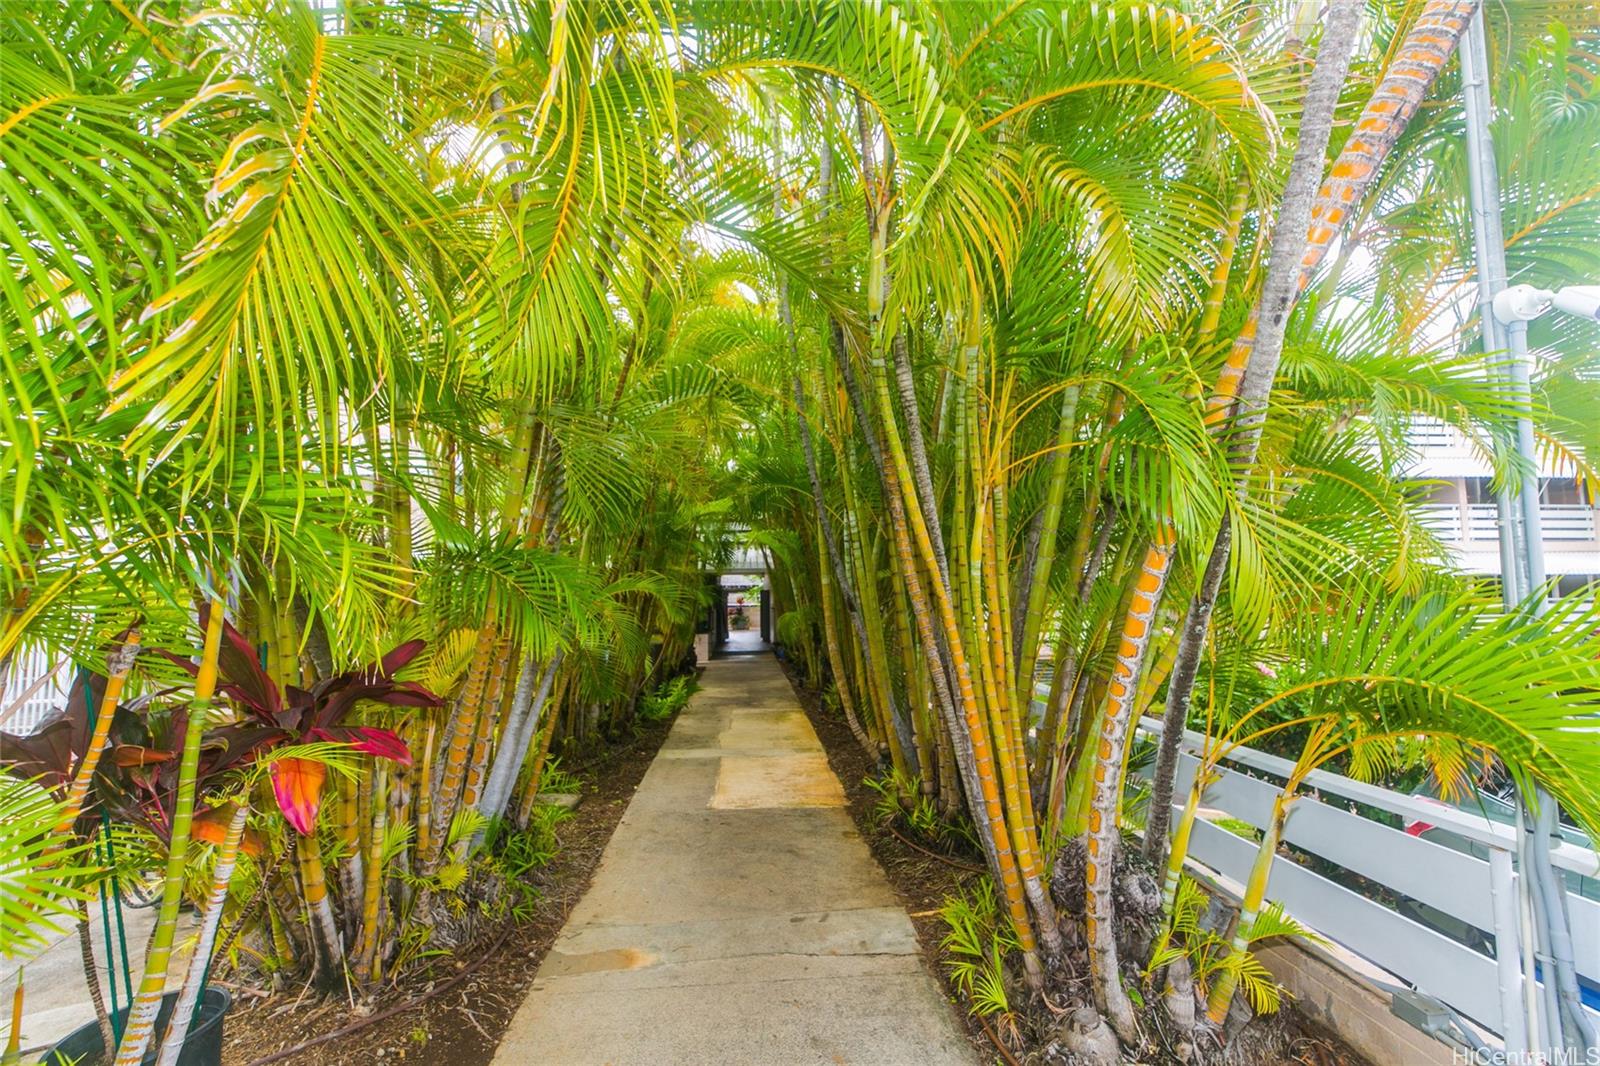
{"x":923,"y":882}
{"x":462,"y":1025}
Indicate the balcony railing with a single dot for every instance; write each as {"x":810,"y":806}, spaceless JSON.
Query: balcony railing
{"x":1476,"y":521}
{"x":34,"y":689}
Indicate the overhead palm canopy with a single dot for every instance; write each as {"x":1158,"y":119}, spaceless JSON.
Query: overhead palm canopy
{"x":493,"y":324}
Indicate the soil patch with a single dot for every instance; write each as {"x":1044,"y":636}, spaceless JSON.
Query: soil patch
{"x":461,"y":1025}
{"x":923,"y":879}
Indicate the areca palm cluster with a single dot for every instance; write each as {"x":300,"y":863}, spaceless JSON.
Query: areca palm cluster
{"x":336,"y":345}
{"x":1007,"y":326}
{"x":1102,"y":402}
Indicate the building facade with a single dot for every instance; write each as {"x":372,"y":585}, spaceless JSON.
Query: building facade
{"x":1460,"y":510}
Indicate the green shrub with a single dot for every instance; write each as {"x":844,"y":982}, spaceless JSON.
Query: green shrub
{"x":667,"y":700}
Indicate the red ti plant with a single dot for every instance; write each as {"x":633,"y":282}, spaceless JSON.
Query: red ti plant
{"x":52,"y":755}
{"x":137,"y":779}
{"x":298,"y":716}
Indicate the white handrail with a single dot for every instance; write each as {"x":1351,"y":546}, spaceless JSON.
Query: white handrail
{"x":1475,"y":827}
{"x":1456,"y":883}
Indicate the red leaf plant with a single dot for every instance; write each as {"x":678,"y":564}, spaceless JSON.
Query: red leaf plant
{"x":299,"y":716}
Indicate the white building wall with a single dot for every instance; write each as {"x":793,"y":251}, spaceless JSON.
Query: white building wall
{"x":1462,"y":513}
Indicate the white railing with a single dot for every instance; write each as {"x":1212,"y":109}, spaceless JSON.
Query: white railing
{"x":1480,"y":892}
{"x":1482,"y":522}
{"x":35,"y":688}
{"x":1567,"y":522}
{"x":1431,"y":435}
{"x":1444,"y":520}
{"x":1477,"y":521}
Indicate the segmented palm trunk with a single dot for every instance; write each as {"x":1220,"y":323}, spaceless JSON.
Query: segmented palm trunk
{"x":877,"y":706}
{"x":967,"y":730}
{"x":1180,"y":849}
{"x":327,"y":944}
{"x":1038,"y":585}
{"x":1197,"y":622}
{"x":950,"y":798}
{"x":13,"y":1051}
{"x":1006,"y":724}
{"x":200,"y":961}
{"x":459,"y":739}
{"x":876,"y":655}
{"x":1220,"y":996}
{"x":482,"y":742}
{"x":464,"y":752}
{"x":521,"y":723}
{"x":91,"y":976}
{"x":841,"y":678}
{"x":372,"y":898}
{"x":903,"y":506}
{"x":1186,"y":667}
{"x":833,"y":565}
{"x":153,"y":985}
{"x":424,"y":799}
{"x":916,"y":701}
{"x":278,"y":932}
{"x":351,"y":875}
{"x":288,"y":908}
{"x":1307,"y":223}
{"x":530,"y":795}
{"x":118,"y":665}
{"x":1405,"y":84}
{"x":1104,"y":834}
{"x":512,"y":750}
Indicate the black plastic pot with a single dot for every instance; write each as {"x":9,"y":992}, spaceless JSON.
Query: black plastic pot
{"x":83,"y":1047}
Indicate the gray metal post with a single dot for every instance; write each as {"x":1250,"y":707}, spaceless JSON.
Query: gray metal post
{"x":1483,"y":181}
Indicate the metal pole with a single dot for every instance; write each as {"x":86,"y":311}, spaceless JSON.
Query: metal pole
{"x":1521,"y":539}
{"x":1566,"y":1024}
{"x":1483,"y":182}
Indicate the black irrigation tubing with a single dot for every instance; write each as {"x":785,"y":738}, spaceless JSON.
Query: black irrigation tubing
{"x":399,"y":1008}
{"x":946,"y":859}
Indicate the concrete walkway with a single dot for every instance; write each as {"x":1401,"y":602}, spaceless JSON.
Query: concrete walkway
{"x":737,"y":916}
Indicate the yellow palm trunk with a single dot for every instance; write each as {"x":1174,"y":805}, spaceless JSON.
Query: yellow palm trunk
{"x":329,"y":946}
{"x":841,"y":677}
{"x":1220,"y":998}
{"x":372,"y":897}
{"x":424,"y":794}
{"x":200,"y":961}
{"x":494,"y":698}
{"x":118,"y":665}
{"x":910,"y":530}
{"x":153,"y":985}
{"x":460,"y":736}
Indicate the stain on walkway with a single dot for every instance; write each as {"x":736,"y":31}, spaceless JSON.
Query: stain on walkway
{"x":737,"y":916}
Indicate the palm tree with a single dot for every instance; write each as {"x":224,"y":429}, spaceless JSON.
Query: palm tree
{"x":471,"y":323}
